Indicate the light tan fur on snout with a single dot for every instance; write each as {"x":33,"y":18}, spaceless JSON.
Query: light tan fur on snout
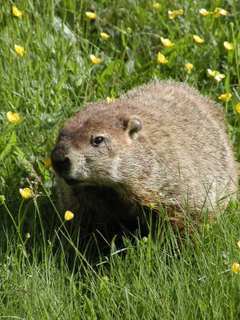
{"x":178,"y":154}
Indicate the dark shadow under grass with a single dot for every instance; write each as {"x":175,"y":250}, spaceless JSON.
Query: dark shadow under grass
{"x":168,"y":276}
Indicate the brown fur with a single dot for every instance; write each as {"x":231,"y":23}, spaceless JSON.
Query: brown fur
{"x":165,"y":145}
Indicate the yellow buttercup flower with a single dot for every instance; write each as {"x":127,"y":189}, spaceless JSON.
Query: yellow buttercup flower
{"x":235,"y":267}
{"x":228,"y":45}
{"x":167,"y":43}
{"x":204,"y":12}
{"x":161,"y":59}
{"x":237,"y":107}
{"x":68,"y":215}
{"x":26,"y":193}
{"x":238,"y":244}
{"x":212,"y":73}
{"x":109,"y":99}
{"x":188,"y":67}
{"x":175,"y":13}
{"x":91,"y":15}
{"x":220,"y":12}
{"x":219,"y":77}
{"x":198,"y":39}
{"x":16,"y":12}
{"x":156,"y":5}
{"x":225,"y":97}
{"x":216,"y":75}
{"x":19,"y":50}
{"x":94,"y":59}
{"x":14,"y":117}
{"x":104,"y":35}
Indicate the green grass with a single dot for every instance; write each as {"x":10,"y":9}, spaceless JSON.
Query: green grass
{"x":152,"y":279}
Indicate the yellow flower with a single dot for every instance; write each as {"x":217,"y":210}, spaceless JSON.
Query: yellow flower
{"x":237,"y":107}
{"x":28,"y":235}
{"x":215,"y":74}
{"x":220,"y":12}
{"x":47,"y":162}
{"x":238,"y":244}
{"x":212,"y":73}
{"x":91,"y":15}
{"x":16,"y":12}
{"x":156,"y":5}
{"x":188,"y":67}
{"x":225,"y":97}
{"x":109,"y":99}
{"x":26,"y":193}
{"x":175,"y":13}
{"x":161,"y":59}
{"x":167,"y":43}
{"x":94,"y":59}
{"x":219,"y":77}
{"x":204,"y":12}
{"x":14,"y":117}
{"x":19,"y":50}
{"x":228,"y":45}
{"x":104,"y":35}
{"x":198,"y":39}
{"x":235,"y":267}
{"x":68,"y":215}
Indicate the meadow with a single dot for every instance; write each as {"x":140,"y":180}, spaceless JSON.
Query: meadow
{"x":54,"y":57}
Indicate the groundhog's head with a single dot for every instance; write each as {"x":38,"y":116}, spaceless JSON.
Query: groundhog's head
{"x":98,"y":146}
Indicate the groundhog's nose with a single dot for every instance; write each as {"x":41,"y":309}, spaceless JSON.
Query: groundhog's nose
{"x":61,"y":163}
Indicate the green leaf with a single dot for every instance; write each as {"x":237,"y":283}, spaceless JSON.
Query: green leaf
{"x":11,"y":143}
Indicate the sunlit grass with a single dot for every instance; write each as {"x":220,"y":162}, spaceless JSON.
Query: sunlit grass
{"x":54,"y":57}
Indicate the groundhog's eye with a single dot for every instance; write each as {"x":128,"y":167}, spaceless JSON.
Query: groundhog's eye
{"x":96,"y":141}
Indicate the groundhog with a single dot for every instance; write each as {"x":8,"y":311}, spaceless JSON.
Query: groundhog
{"x":160,"y":145}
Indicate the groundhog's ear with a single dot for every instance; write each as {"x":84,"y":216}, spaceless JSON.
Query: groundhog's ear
{"x":134,"y":125}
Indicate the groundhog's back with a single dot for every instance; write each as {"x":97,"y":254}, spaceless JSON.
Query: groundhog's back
{"x":188,"y":134}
